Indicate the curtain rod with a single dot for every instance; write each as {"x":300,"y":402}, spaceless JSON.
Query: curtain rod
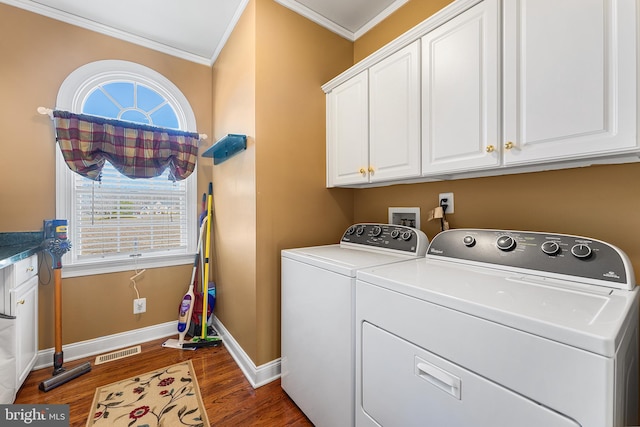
{"x":49,"y":112}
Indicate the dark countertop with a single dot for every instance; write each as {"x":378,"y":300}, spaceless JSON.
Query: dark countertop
{"x":17,"y":246}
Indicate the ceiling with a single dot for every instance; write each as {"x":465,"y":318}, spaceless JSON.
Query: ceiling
{"x":197,"y":30}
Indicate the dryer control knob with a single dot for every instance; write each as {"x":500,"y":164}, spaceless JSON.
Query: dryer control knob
{"x":550,"y":248}
{"x":581,"y":251}
{"x":506,"y":243}
{"x":406,"y":236}
{"x":351,"y":230}
{"x":469,"y":241}
{"x":376,"y":231}
{"x":395,"y":234}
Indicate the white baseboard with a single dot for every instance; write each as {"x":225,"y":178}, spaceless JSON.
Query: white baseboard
{"x":108,"y":343}
{"x":256,"y":375}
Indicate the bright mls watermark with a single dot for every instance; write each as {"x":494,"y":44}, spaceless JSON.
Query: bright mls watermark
{"x":34,"y":415}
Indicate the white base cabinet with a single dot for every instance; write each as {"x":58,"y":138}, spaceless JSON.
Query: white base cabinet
{"x":19,"y":285}
{"x":26,"y":303}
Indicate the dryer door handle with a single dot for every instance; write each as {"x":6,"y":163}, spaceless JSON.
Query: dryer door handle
{"x":438,"y":377}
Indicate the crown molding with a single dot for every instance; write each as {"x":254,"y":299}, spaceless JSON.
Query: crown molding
{"x":112,"y":32}
{"x":228,"y":31}
{"x":301,"y":9}
{"x":379,"y":18}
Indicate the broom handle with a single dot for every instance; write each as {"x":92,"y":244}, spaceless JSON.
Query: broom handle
{"x":205,"y":284}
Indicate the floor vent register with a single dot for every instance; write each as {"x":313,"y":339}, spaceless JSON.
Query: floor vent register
{"x":120,"y":354}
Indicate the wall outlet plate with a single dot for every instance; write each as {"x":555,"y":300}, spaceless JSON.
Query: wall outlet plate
{"x":139,"y":305}
{"x":449,"y":197}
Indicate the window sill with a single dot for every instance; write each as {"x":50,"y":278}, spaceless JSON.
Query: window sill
{"x":115,"y":266}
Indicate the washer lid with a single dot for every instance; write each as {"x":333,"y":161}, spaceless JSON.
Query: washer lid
{"x":343,"y":260}
{"x":583,"y":316}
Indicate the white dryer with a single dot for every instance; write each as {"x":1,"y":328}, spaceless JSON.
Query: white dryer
{"x":318,"y":312}
{"x":499,"y":328}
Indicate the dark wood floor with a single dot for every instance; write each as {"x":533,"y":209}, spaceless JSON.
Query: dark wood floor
{"x":228,"y":397}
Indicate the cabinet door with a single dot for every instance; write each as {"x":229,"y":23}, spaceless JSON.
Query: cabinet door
{"x":348,"y":132}
{"x":25,"y":269}
{"x":394,"y":121}
{"x":26,"y":312}
{"x":569,"y":79}
{"x":460,"y":93}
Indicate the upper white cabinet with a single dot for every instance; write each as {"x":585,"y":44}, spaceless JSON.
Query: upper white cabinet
{"x":460,"y":92}
{"x":503,"y":86}
{"x":348,"y":132}
{"x":373,"y":122}
{"x":394,"y":116}
{"x":569,"y":79}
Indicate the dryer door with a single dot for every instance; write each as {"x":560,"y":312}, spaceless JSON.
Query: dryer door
{"x":405,"y":385}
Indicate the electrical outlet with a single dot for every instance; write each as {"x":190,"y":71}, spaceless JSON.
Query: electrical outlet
{"x":139,"y":305}
{"x":449,"y":202}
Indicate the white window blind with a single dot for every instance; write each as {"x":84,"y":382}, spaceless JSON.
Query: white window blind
{"x":121,"y":217}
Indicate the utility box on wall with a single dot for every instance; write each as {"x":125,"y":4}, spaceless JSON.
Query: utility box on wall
{"x":409,"y":217}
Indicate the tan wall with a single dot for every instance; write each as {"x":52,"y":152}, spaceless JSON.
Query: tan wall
{"x":295,"y":57}
{"x":599,"y":201}
{"x":267,"y":84}
{"x":234,"y":184}
{"x":37,"y":54}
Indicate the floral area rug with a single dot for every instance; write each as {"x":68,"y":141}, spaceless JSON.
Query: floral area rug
{"x":167,"y":397}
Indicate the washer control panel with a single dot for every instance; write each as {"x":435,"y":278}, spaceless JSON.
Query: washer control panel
{"x":554,"y":254}
{"x":387,"y":237}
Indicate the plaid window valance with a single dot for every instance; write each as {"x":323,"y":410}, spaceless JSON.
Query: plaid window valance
{"x":136,"y":151}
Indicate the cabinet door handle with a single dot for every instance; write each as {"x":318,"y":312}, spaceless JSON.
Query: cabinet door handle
{"x":490,"y":148}
{"x":30,"y":268}
{"x":21,"y":301}
{"x":509,"y":145}
{"x":363,"y":172}
{"x":371,"y":170}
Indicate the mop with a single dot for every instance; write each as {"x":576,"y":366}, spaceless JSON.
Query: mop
{"x":186,"y":307}
{"x":56,"y":244}
{"x":204,"y":340}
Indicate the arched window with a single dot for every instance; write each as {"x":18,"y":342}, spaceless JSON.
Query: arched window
{"x":121,"y":223}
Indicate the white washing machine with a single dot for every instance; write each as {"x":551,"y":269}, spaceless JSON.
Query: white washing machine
{"x":318,"y":329}
{"x":499,"y":328}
